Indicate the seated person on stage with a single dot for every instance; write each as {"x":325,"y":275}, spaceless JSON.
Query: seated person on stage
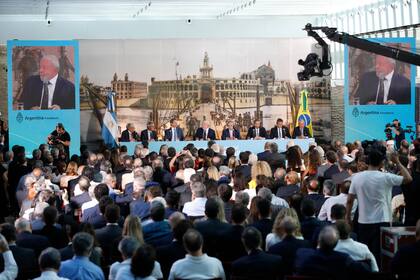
{"x":149,"y":134}
{"x":301,"y":131}
{"x":230,"y":133}
{"x":174,"y":133}
{"x":256,"y":132}
{"x":279,"y":131}
{"x":130,"y":134}
{"x":205,"y":132}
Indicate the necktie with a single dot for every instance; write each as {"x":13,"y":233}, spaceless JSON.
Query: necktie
{"x":231,"y":133}
{"x":173,"y":134}
{"x":44,"y":101}
{"x":301,"y":132}
{"x":257,"y":132}
{"x":205,"y":135}
{"x":148,"y":133}
{"x":381,"y":92}
{"x":279,"y":133}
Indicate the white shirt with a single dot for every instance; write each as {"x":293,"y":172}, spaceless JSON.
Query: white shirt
{"x":357,"y":251}
{"x":195,"y":208}
{"x":279,"y":133}
{"x":122,"y":271}
{"x":10,"y":267}
{"x":51,"y":88}
{"x":278,"y":201}
{"x":257,"y":132}
{"x":387,"y":84}
{"x":325,"y":212}
{"x":89,"y":204}
{"x":271,"y":239}
{"x":203,"y":267}
{"x":373,"y":190}
{"x":50,"y":275}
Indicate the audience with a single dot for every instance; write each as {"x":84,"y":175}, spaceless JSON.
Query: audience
{"x":200,"y":214}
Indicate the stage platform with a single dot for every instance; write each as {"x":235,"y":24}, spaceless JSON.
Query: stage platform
{"x":255,"y":146}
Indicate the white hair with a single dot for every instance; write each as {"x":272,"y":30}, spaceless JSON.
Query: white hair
{"x":53,"y":59}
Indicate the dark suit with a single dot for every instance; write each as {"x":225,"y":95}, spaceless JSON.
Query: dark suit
{"x":55,"y":235}
{"x":245,"y":169}
{"x":328,"y":265}
{"x":199,"y":134}
{"x":90,"y":214}
{"x":232,"y":247}
{"x":125,"y":136}
{"x":399,"y":89}
{"x":285,"y":133}
{"x":108,"y":238}
{"x":258,"y":265}
{"x":144,"y":136}
{"x":263,"y":156}
{"x":287,"y":250}
{"x":309,"y":225}
{"x":296,"y":132}
{"x":287,"y":191}
{"x":318,"y":200}
{"x":265,"y":226}
{"x":26,"y":261}
{"x":406,"y":260}
{"x":226,"y":134}
{"x":212,"y":231}
{"x":63,"y":96}
{"x":179,"y":132}
{"x":276,"y":160}
{"x":77,"y":201}
{"x":252,"y":132}
{"x":168,"y":254}
{"x":71,"y":184}
{"x":32,"y":241}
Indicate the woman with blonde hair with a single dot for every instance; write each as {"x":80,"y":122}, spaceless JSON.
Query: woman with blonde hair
{"x":221,"y":213}
{"x":259,"y":168}
{"x":277,"y":234}
{"x":132,"y":228}
{"x":71,"y":173}
{"x":213,"y":173}
{"x":233,"y":163}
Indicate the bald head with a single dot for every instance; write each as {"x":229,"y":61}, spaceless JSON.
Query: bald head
{"x":328,"y":238}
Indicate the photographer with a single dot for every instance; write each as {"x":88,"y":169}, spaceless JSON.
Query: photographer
{"x":59,"y":137}
{"x":398,"y":131}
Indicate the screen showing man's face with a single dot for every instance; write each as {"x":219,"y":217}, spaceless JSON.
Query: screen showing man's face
{"x":47,"y":70}
{"x":383,"y":66}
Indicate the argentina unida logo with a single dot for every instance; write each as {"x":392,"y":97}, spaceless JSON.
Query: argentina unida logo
{"x":19,"y":117}
{"x":355,"y":112}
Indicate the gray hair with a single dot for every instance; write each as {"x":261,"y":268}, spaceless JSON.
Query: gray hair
{"x":53,"y":59}
{"x":84,"y":183}
{"x":224,"y":170}
{"x":82,"y":244}
{"x":328,"y":187}
{"x":128,"y":246}
{"x":198,"y":189}
{"x":328,"y":238}
{"x":265,"y":193}
{"x":148,"y":173}
{"x":22,"y":224}
{"x":242,"y":197}
{"x":139,"y":183}
{"x":50,"y":258}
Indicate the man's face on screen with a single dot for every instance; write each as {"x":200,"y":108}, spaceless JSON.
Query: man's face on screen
{"x":47,"y":70}
{"x":383,"y":66}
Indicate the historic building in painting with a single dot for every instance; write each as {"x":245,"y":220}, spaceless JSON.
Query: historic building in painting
{"x":127,"y":89}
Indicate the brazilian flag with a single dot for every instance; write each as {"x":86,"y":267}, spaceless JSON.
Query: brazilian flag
{"x":303,"y":113}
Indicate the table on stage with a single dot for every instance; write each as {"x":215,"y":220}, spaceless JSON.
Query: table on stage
{"x":254,"y":146}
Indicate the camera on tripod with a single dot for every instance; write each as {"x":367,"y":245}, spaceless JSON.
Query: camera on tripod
{"x":388,"y":130}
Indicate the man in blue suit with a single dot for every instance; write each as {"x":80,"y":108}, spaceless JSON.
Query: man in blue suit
{"x":174,"y":133}
{"x":48,"y":90}
{"x":384,"y":85}
{"x":205,"y":132}
{"x":230,"y":133}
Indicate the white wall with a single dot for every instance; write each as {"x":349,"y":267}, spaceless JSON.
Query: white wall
{"x":280,"y":27}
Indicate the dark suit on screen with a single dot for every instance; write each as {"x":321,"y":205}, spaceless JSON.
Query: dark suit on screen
{"x":297,"y":133}
{"x":199,"y":134}
{"x":145,"y":138}
{"x":252,"y":132}
{"x":275,"y":134}
{"x":179,"y":132}
{"x":226,"y":134}
{"x":63,"y":96}
{"x":399,"y":89}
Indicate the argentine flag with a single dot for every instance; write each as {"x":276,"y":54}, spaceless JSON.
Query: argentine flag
{"x":110,"y":126}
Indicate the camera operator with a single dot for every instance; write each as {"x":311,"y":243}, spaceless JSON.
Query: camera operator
{"x":399,"y":132}
{"x":60,"y":137}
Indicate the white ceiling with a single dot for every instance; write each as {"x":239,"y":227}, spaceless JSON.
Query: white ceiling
{"x":86,"y":10}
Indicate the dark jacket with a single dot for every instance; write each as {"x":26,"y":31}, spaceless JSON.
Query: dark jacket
{"x":318,"y":200}
{"x":309,"y":226}
{"x":245,"y":169}
{"x":232,"y":248}
{"x":264,"y":156}
{"x":275,"y":134}
{"x":265,"y":226}
{"x":199,"y":134}
{"x":179,"y":132}
{"x":144,"y":137}
{"x":32,"y":241}
{"x":166,"y":255}
{"x":406,"y":260}
{"x":287,"y":191}
{"x":56,"y":236}
{"x":108,"y":238}
{"x":125,"y":136}
{"x":399,"y":90}
{"x":226,"y":134}
{"x":328,"y":265}
{"x":64,"y":93}
{"x":213,"y":234}
{"x":296,"y":132}
{"x":258,"y":265}
{"x":252,"y":132}
{"x":287,"y":250}
{"x":157,"y":233}
{"x":77,"y":201}
{"x":26,"y":261}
